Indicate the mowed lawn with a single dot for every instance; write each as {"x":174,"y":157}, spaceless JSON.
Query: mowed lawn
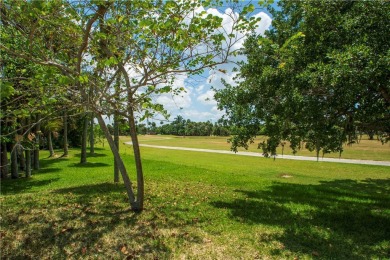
{"x":364,"y":150}
{"x":198,"y":206}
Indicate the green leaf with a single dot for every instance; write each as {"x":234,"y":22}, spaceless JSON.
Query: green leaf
{"x":83,"y":79}
{"x":7,"y":90}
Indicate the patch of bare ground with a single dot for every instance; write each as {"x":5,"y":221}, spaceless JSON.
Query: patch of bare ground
{"x":285,"y":175}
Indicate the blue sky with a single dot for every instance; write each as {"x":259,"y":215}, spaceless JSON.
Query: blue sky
{"x":197,"y":103}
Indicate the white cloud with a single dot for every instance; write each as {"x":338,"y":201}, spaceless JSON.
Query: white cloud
{"x":197,"y":103}
{"x":180,"y":101}
{"x":222,"y":72}
{"x":207,"y":98}
{"x":199,"y":89}
{"x":204,"y":95}
{"x":201,"y":116}
{"x":264,"y":23}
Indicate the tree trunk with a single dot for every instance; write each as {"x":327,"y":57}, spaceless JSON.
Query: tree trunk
{"x":137,"y":158}
{"x":50,"y":144}
{"x":116,"y":141}
{"x":134,"y":139}
{"x":27,"y":149}
{"x":22,"y":160}
{"x":83,"y":157}
{"x":91,"y":136}
{"x":4,"y":161}
{"x":116,"y":127}
{"x":14,"y":162}
{"x":121,"y":166}
{"x":28,"y":163}
{"x":65,"y":138}
{"x":37,"y":143}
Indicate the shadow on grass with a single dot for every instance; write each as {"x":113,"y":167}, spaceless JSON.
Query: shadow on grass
{"x":47,"y":162}
{"x":90,"y":155}
{"x":21,"y":185}
{"x":343,"y":219}
{"x":47,"y":170}
{"x":89,"y":165}
{"x":81,"y":221}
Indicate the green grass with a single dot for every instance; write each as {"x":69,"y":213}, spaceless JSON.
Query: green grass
{"x":198,"y":206}
{"x":365,"y":149}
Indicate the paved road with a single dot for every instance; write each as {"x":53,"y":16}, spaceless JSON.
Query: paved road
{"x":289,"y":157}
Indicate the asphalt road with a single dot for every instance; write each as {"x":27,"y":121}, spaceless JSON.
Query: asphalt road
{"x":288,"y":157}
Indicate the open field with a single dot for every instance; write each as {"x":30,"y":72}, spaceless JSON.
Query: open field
{"x":198,"y":206}
{"x":365,"y":149}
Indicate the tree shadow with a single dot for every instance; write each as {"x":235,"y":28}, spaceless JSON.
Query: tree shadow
{"x":48,"y":170}
{"x":77,"y":222}
{"x":90,"y":155}
{"x":338,"y":219}
{"x":47,"y":162}
{"x":89,"y":165}
{"x":22,"y":185}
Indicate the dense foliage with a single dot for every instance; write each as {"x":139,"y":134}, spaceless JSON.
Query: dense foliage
{"x":319,"y":75}
{"x":182,"y":127}
{"x":107,"y":58}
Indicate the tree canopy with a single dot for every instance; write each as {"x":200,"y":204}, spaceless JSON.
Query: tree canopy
{"x":319,"y":75}
{"x":113,"y":57}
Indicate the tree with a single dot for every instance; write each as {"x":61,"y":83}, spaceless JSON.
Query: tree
{"x":51,"y":127}
{"x":148,"y":43}
{"x":320,"y":73}
{"x":84,"y":135}
{"x":91,"y":135}
{"x":65,"y":134}
{"x":28,"y":147}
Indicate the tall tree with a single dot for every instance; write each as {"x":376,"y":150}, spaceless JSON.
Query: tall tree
{"x":51,"y":127}
{"x":4,"y":160}
{"x":320,"y":73}
{"x":65,"y":135}
{"x":116,"y":141}
{"x":84,"y":137}
{"x":38,"y":134}
{"x":147,"y":42}
{"x":91,"y":135}
{"x":28,"y":148}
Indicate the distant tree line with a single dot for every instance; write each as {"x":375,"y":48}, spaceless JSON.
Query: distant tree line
{"x":180,"y":127}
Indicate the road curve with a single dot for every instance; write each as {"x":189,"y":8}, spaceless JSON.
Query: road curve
{"x":288,"y":157}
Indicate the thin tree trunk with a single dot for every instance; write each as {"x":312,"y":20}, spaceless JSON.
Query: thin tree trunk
{"x":318,"y":149}
{"x":137,"y":158}
{"x":28,"y":150}
{"x":4,"y":161}
{"x":91,"y":136}
{"x":14,"y":162}
{"x":20,"y":148}
{"x":50,"y":144}
{"x":116,"y":141}
{"x":22,"y":160}
{"x":37,"y":143}
{"x":121,"y":166}
{"x":83,"y":157}
{"x":65,"y":138}
{"x":28,"y":162}
{"x":134,"y":139}
{"x":116,"y":128}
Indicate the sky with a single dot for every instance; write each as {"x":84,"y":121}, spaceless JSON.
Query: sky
{"x":197,"y":102}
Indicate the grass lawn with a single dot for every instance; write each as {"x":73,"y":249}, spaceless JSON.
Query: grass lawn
{"x":198,"y":206}
{"x":365,"y":149}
